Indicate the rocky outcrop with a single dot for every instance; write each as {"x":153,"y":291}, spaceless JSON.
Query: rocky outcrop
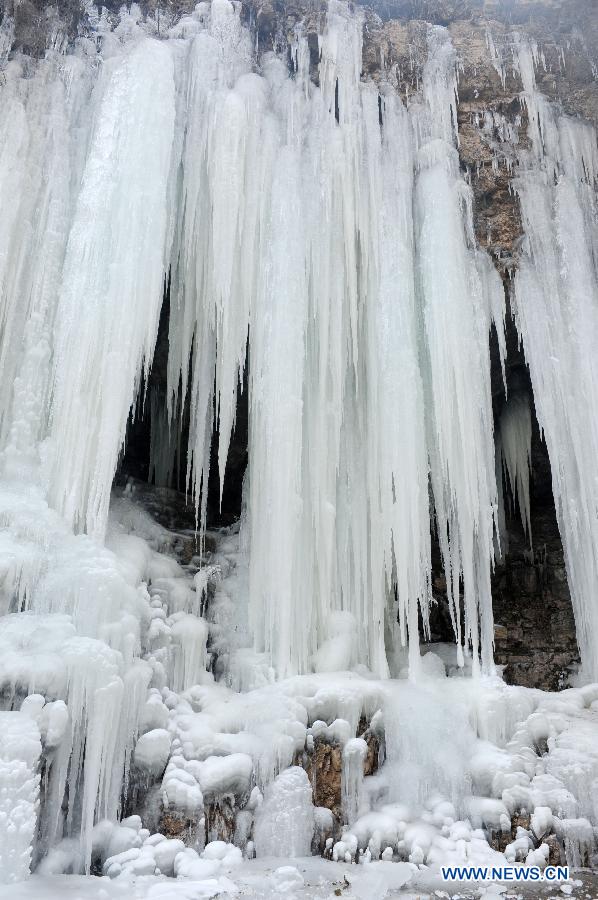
{"x":324,"y":770}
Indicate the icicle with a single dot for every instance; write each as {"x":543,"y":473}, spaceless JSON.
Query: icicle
{"x":495,"y":58}
{"x":556,"y":312}
{"x":189,"y":636}
{"x":354,"y":755}
{"x":165,"y":442}
{"x":94,"y":697}
{"x":280,"y":621}
{"x":41,"y":114}
{"x":217,"y":244}
{"x":115,"y":264}
{"x":516,"y":449}
{"x":461,"y":295}
{"x":501,"y":537}
{"x":397,"y":455}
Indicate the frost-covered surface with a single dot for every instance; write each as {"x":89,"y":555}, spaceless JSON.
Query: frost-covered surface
{"x":268,"y":879}
{"x":161,"y":719}
{"x":20,"y":750}
{"x":459,"y":755}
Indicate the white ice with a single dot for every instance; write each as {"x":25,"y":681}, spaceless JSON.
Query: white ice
{"x":322,"y":233}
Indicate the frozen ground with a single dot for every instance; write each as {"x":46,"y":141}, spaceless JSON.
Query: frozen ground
{"x":268,"y":879}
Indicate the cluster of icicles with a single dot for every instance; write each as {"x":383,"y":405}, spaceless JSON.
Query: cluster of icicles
{"x":327,"y":228}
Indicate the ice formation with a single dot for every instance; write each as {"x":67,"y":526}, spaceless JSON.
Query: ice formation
{"x":514,"y":446}
{"x":330,"y":359}
{"x":286,"y":816}
{"x":349,"y":520}
{"x":556,"y":310}
{"x":461,"y":295}
{"x":20,"y":750}
{"x":317,"y":243}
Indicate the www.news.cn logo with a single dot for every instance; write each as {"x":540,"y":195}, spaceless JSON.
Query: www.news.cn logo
{"x":505,"y":873}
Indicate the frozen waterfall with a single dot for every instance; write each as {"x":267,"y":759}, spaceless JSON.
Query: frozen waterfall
{"x":556,"y":310}
{"x":315,"y":239}
{"x":284,"y":213}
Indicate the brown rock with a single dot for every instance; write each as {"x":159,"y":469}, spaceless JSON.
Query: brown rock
{"x":220,"y":820}
{"x":174,"y":825}
{"x":324,"y":770}
{"x":555,"y":854}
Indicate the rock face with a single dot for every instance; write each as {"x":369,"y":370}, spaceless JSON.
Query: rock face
{"x":324,"y":770}
{"x":535,"y":630}
{"x":535,"y":635}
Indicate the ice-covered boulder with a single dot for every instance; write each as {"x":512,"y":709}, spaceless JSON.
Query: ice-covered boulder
{"x":285,"y":821}
{"x":152,"y":751}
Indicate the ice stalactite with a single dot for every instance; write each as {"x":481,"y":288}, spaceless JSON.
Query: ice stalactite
{"x":461,"y":294}
{"x":556,"y":312}
{"x":365,"y":513}
{"x":41,"y":114}
{"x":115,"y":260}
{"x":217,"y":234}
{"x":165,"y":442}
{"x":515,"y":449}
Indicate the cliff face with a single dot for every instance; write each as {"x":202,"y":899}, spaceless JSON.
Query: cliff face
{"x":535,"y":634}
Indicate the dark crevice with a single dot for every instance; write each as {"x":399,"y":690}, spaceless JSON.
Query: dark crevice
{"x":135,"y":460}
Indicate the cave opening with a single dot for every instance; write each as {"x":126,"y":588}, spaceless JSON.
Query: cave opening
{"x":144,"y":426}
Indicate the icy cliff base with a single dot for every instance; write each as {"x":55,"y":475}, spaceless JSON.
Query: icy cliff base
{"x":221,"y":763}
{"x":269,"y":879}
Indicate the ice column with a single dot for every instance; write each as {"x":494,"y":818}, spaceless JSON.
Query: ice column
{"x":515,"y":450}
{"x":461,"y":293}
{"x":39,"y":163}
{"x":218,"y":235}
{"x":556,"y":311}
{"x":284,"y":823}
{"x":112,"y":281}
{"x":20,"y":750}
{"x":354,"y":755}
